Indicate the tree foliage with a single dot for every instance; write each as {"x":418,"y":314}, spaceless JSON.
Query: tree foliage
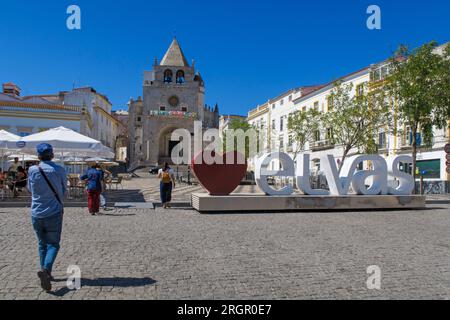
{"x":355,"y":117}
{"x":302,"y":125}
{"x":242,"y":124}
{"x":420,"y":83}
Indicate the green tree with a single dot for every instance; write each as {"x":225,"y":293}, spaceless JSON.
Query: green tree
{"x":302,"y":126}
{"x":242,"y":124}
{"x":420,"y":84}
{"x":354,"y":117}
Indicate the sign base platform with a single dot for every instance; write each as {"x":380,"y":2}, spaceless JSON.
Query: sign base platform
{"x":241,"y":202}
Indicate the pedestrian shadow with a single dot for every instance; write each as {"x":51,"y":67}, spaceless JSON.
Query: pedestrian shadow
{"x":117,"y":214}
{"x":125,"y":195}
{"x":117,"y":282}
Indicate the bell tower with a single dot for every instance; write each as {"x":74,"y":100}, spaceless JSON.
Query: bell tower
{"x":173,"y":98}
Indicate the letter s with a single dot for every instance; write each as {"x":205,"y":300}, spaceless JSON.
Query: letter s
{"x":406,"y":181}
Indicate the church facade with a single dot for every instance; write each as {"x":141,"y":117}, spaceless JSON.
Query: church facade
{"x":173,"y":98}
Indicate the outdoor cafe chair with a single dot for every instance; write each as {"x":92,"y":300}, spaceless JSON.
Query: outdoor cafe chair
{"x":117,"y":181}
{"x":76,"y":186}
{"x":15,"y":189}
{"x":3,"y":190}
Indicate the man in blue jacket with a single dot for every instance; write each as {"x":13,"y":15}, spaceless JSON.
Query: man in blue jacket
{"x":47,"y":183}
{"x":94,"y":180}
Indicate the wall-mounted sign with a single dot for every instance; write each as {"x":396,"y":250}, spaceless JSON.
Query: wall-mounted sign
{"x":447,"y":148}
{"x":21,"y":144}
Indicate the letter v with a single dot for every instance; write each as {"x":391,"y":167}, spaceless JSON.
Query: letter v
{"x":337,"y":188}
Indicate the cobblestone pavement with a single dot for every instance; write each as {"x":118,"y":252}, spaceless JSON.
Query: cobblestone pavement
{"x":159,"y":254}
{"x":146,"y":188}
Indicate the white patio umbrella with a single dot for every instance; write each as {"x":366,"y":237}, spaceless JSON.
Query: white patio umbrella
{"x":106,"y":152}
{"x":62,"y":140}
{"x":7,"y":141}
{"x":110,"y":164}
{"x":23,"y":157}
{"x":96,"y":159}
{"x":65,"y":142}
{"x":73,"y":159}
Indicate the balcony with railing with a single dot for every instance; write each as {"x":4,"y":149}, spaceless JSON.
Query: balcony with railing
{"x":405,"y":142}
{"x":321,"y":145}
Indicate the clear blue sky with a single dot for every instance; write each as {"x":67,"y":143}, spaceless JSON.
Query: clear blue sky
{"x":247,"y":51}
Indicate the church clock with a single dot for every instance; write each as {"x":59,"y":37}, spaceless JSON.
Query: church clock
{"x":173,"y":101}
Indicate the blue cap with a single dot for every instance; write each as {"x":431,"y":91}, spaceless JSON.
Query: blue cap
{"x":44,"y":148}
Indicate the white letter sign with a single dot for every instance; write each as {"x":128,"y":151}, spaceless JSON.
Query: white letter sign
{"x":262,"y":173}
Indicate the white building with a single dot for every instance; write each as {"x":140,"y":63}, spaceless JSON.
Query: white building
{"x":104,"y":126}
{"x":431,"y":160}
{"x":26,"y":115}
{"x":82,"y":110}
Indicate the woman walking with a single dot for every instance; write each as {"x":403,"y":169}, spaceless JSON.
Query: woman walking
{"x":166,"y":185}
{"x":94,"y":179}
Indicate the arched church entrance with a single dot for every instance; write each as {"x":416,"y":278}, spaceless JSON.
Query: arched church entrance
{"x":166,"y":145}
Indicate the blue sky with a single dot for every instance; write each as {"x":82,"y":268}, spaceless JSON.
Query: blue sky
{"x":247,"y":51}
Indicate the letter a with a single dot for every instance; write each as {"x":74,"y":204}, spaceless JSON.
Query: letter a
{"x":74,"y":20}
{"x":74,"y":279}
{"x":374,"y":21}
{"x":374,"y":280}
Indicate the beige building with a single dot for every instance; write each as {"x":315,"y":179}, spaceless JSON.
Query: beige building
{"x":173,"y":98}
{"x":123,"y":138}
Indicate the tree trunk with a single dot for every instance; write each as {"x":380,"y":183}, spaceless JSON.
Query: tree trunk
{"x":414,"y":154}
{"x":344,"y":156}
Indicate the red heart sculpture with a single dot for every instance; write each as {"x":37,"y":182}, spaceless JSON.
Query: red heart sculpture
{"x":219,"y":179}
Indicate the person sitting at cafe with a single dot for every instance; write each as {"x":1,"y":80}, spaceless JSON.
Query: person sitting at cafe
{"x":19,"y":182}
{"x":2,"y":182}
{"x":14,"y":166}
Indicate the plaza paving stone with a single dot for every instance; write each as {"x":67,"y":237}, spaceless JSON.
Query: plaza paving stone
{"x":180,"y":254}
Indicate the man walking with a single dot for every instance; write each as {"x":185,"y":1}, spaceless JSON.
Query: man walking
{"x":94,"y":179}
{"x":47,"y":183}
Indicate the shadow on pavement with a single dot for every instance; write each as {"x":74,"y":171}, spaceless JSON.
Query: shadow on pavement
{"x":117,"y":214}
{"x":125,"y":195}
{"x":106,"y":282}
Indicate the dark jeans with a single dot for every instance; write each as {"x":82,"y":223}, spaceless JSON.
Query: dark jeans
{"x":165,"y":190}
{"x":48,"y":231}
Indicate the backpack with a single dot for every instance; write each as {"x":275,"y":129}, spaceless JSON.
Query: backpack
{"x":166,"y":177}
